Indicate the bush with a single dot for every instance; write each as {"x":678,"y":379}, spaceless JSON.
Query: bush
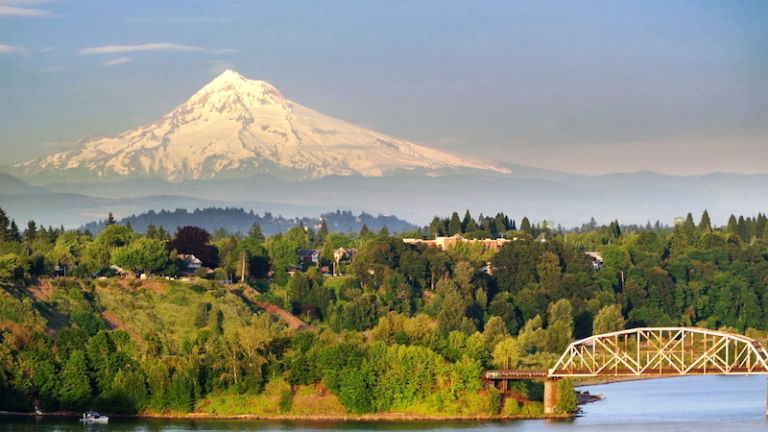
{"x":286,"y":400}
{"x":197,"y":288}
{"x":566,"y":396}
{"x":533,"y":409}
{"x":88,"y":321}
{"x":511,"y":407}
{"x":494,"y":401}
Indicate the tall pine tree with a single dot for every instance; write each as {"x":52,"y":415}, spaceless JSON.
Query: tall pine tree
{"x":525,"y":226}
{"x":705,"y":225}
{"x":13,"y":232}
{"x":454,"y":226}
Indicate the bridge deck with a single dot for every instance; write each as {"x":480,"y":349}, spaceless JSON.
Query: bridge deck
{"x":510,"y":374}
{"x":507,"y":374}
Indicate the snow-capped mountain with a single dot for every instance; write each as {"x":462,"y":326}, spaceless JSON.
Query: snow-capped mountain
{"x":244,"y":126}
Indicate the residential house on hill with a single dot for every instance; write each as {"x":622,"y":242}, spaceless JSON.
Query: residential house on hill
{"x":308,"y":256}
{"x":341,"y":254}
{"x":192,"y":264}
{"x":597,"y":259}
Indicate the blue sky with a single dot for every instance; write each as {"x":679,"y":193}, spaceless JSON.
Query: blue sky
{"x":582,"y":86}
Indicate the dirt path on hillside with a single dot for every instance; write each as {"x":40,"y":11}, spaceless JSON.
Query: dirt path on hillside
{"x":115,"y":323}
{"x":293,"y":322}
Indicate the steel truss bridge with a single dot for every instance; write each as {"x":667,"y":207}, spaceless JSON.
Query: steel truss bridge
{"x":649,"y":352}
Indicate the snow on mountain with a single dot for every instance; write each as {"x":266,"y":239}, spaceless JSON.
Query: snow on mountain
{"x":247,"y":126}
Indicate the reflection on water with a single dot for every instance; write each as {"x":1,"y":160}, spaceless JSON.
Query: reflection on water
{"x":715,"y":403}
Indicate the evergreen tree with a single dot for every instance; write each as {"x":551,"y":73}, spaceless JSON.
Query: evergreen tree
{"x":689,"y":224}
{"x":152,"y":232}
{"x":500,"y":224}
{"x":454,"y":226}
{"x":162,"y":234}
{"x":614,"y":229}
{"x":30,"y":233}
{"x":13,"y":232}
{"x":468,"y":224}
{"x":732,"y":227}
{"x":765,"y":232}
{"x":437,"y":227}
{"x":761,"y":224}
{"x":705,"y":225}
{"x":525,"y":226}
{"x":742,"y":230}
{"x":4,"y":222}
{"x":365,"y":231}
{"x":110,"y":219}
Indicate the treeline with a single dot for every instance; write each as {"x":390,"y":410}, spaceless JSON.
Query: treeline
{"x":432,"y":318}
{"x":237,"y":220}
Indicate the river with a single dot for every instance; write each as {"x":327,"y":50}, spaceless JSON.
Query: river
{"x":711,"y":403}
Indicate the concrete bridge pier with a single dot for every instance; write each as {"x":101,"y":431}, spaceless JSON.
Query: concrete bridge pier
{"x":550,"y":395}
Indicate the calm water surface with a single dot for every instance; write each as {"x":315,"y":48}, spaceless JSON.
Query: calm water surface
{"x":716,"y":403}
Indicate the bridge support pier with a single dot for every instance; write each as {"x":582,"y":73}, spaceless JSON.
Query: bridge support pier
{"x":550,"y":395}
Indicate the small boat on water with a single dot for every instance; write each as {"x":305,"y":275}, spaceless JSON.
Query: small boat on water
{"x":94,"y":417}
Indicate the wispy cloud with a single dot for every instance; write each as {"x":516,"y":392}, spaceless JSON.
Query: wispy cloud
{"x":153,"y":47}
{"x":117,"y":61}
{"x":113,"y":49}
{"x":10,"y":49}
{"x":23,"y":12}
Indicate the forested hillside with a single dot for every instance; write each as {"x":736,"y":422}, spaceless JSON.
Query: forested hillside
{"x":237,"y":220}
{"x":406,"y":328}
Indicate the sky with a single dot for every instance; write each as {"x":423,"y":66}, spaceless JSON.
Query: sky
{"x":592,"y":87}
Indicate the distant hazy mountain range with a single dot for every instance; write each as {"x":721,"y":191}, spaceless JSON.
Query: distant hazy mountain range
{"x":240,"y":143}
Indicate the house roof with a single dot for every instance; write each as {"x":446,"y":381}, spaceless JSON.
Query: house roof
{"x":190,"y":259}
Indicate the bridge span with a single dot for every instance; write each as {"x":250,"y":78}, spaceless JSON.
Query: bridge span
{"x":648,"y":352}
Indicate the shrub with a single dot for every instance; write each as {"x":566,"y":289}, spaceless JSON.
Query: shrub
{"x":286,"y":400}
{"x":566,"y":396}
{"x":494,"y":401}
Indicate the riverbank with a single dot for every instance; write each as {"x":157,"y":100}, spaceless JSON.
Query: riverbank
{"x":378,"y":417}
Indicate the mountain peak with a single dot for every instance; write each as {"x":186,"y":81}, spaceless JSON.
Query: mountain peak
{"x":230,"y":75}
{"x":230,"y":87}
